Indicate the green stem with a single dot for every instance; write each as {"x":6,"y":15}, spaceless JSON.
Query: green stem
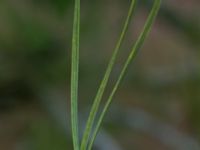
{"x":132,"y":55}
{"x":74,"y":75}
{"x":104,"y":82}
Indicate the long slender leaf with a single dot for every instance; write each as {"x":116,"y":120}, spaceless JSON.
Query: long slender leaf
{"x":74,"y":75}
{"x":104,"y":82}
{"x":131,"y":56}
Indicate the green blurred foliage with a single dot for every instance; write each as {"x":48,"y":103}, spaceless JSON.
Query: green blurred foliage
{"x":45,"y":135}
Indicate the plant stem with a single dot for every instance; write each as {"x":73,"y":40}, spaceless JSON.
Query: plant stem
{"x":131,"y":56}
{"x":74,"y":75}
{"x":104,"y":82}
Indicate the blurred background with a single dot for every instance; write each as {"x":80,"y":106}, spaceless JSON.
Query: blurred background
{"x":157,"y":106}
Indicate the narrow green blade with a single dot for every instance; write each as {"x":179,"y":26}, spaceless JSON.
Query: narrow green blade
{"x":104,"y":82}
{"x":131,"y":56}
{"x":74,"y":75}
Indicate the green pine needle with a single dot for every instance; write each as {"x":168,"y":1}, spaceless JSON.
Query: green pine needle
{"x":74,"y":75}
{"x":104,"y":82}
{"x":131,"y":56}
{"x":89,"y":135}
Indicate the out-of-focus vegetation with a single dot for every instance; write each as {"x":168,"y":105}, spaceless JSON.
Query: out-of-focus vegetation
{"x":158,"y":104}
